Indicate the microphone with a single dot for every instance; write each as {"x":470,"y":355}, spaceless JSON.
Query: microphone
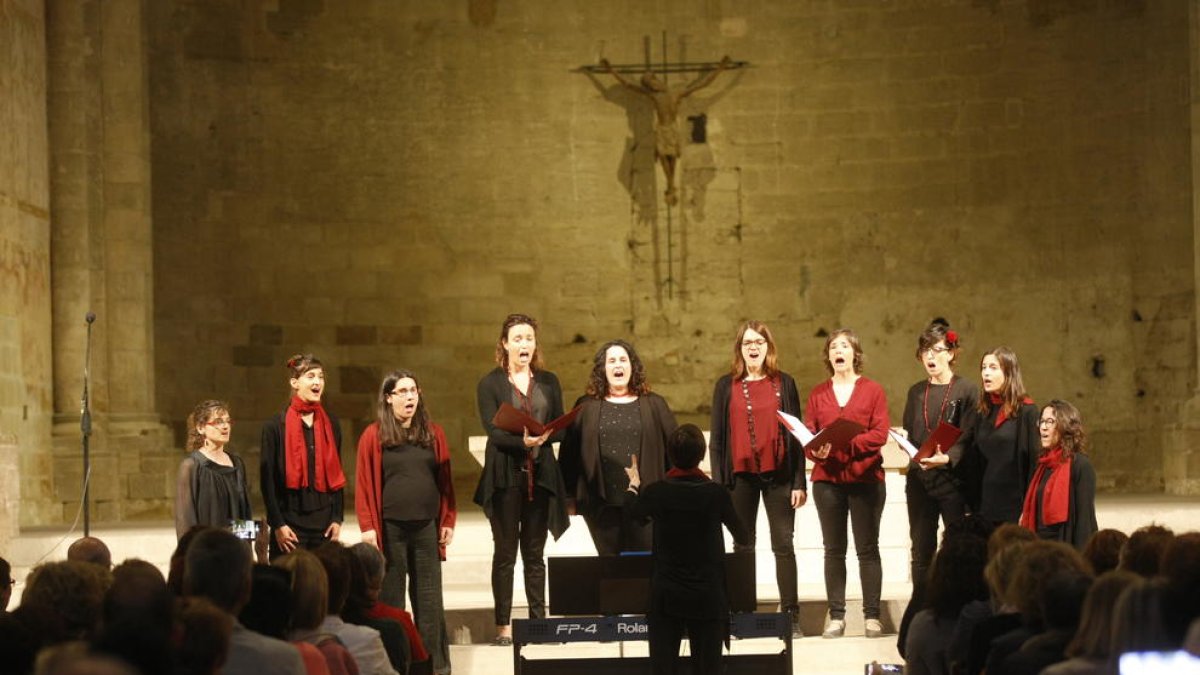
{"x":90,"y":317}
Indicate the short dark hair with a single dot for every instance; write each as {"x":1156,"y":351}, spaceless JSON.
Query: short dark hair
{"x":686,"y":447}
{"x":337,"y":569}
{"x":217,"y":567}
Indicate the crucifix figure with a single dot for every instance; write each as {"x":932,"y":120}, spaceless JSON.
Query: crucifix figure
{"x":667,"y":142}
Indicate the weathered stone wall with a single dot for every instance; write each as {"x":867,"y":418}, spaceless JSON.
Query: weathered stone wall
{"x":25,"y":359}
{"x":380,"y":182}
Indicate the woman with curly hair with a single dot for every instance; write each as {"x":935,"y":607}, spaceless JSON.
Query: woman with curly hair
{"x":1060,"y":503}
{"x":621,"y":423}
{"x":211,"y":486}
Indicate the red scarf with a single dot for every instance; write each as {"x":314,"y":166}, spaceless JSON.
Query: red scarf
{"x":329,"y":467}
{"x":1002,"y":415}
{"x":694,"y":472}
{"x":1057,"y":495}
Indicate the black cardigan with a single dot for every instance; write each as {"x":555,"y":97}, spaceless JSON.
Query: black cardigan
{"x":505,"y":452}
{"x":720,"y":459}
{"x":580,"y":455}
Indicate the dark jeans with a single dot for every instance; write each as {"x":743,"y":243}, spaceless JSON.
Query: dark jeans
{"x":412,"y":553}
{"x":863,"y":503}
{"x":308,"y":539}
{"x":705,"y":637}
{"x":517,"y":521}
{"x":781,"y":521}
{"x":613,"y":531}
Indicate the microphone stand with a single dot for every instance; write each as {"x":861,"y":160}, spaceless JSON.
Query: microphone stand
{"x":85,"y":427}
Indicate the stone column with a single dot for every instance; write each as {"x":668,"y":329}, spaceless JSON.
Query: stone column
{"x":103,"y":258}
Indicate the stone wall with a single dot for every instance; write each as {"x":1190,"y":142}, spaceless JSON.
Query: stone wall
{"x":25,"y":358}
{"x":381,"y":182}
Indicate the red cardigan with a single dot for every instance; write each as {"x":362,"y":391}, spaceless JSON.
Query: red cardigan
{"x":867,"y":406}
{"x":368,"y":495}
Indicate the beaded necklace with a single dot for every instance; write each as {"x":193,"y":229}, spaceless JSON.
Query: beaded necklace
{"x":942,"y":408}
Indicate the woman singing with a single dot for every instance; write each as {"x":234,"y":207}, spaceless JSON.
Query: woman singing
{"x":931,"y":486}
{"x":405,"y":505}
{"x":521,"y":489}
{"x":1006,"y":437}
{"x":302,"y":477}
{"x":620,"y":420}
{"x":1060,"y":503}
{"x":211,"y":489}
{"x":754,"y":456}
{"x":848,"y":481}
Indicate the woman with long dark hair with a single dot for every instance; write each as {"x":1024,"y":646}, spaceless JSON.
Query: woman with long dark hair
{"x":754,"y":456}
{"x":848,"y":481}
{"x":211,"y":487}
{"x":621,"y":422}
{"x":1060,"y":503}
{"x":1006,"y":437}
{"x":405,"y":505}
{"x":521,"y":489}
{"x":301,"y":469}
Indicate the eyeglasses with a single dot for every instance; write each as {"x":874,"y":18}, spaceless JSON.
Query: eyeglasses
{"x":754,"y":343}
{"x":935,"y":350}
{"x":224,"y":422}
{"x":1046,"y":422}
{"x":405,"y":391}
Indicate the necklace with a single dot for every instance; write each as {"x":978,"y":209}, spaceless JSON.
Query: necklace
{"x":750,"y":422}
{"x":942,"y":408}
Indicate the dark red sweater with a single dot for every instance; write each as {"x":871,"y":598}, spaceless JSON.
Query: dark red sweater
{"x":867,"y":406}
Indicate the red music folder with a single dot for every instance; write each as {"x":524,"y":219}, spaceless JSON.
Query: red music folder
{"x":516,"y":421}
{"x":837,"y":435}
{"x":944,"y":436}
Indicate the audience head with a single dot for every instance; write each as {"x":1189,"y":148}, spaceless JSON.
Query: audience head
{"x":90,"y":550}
{"x":217,"y":567}
{"x":1041,"y":562}
{"x":1138,"y":623}
{"x":175,"y":573}
{"x":1000,"y":571}
{"x":970,"y":525}
{"x":269,"y":610}
{"x":72,"y":592}
{"x":337,"y":570}
{"x":19,"y":642}
{"x":1143,"y":552}
{"x":310,"y":589}
{"x":6,"y":584}
{"x":956,"y":575}
{"x":202,"y":641}
{"x":137,"y":617}
{"x":1006,"y":535}
{"x":686,"y":447}
{"x":1103,"y":550}
{"x":1062,"y":597}
{"x":358,"y":599}
{"x":1181,"y":570}
{"x":373,"y":564}
{"x":1093,"y":639}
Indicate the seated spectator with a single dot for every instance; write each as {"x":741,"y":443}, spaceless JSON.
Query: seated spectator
{"x":981,"y":621}
{"x":1103,"y":550}
{"x":1181,"y":568}
{"x":364,"y":643}
{"x":374,"y":565}
{"x":1089,"y":650}
{"x":217,"y":567}
{"x":359,"y":601}
{"x":1139,"y":624}
{"x":202,"y":641}
{"x":69,"y":594}
{"x":90,"y":550}
{"x":175,"y":573}
{"x":1061,"y":602}
{"x":19,"y":644}
{"x":1142,"y":554}
{"x":137,"y":618}
{"x":270,"y":611}
{"x":310,"y":597}
{"x":8,"y":582}
{"x":956,"y":578}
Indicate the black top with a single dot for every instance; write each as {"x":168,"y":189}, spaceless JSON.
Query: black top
{"x":956,"y":404}
{"x":1009,"y":453}
{"x":1081,"y":506}
{"x":505,"y":454}
{"x":305,"y":507}
{"x":688,"y":577}
{"x":720,"y":453}
{"x":210,"y":494}
{"x":410,"y":489}
{"x":620,"y":439}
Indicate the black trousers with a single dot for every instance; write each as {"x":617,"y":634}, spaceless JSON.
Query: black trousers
{"x":518,"y":522}
{"x":863,"y":504}
{"x":705,"y":637}
{"x":930,"y":493}
{"x":308,"y":539}
{"x":613,"y":531}
{"x":776,"y":499}
{"x":412,"y":552}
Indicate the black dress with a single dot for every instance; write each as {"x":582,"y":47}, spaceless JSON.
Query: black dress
{"x":210,"y":494}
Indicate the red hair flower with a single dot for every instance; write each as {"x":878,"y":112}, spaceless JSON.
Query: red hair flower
{"x":951,"y":338}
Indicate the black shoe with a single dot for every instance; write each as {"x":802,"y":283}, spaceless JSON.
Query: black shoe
{"x":502,"y":641}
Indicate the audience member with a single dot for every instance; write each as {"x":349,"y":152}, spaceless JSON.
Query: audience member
{"x":1139,"y":622}
{"x":8,"y":582}
{"x":1181,"y":569}
{"x":955,"y":578}
{"x":90,"y":550}
{"x":217,"y":567}
{"x":70,"y":594}
{"x":355,"y":611}
{"x":374,"y":565}
{"x":1103,"y":550}
{"x":137,"y":618}
{"x":364,"y":643}
{"x":175,"y":572}
{"x":1061,"y":600}
{"x":1090,"y":648}
{"x":310,"y":597}
{"x":1143,"y":553}
{"x":201,"y":643}
{"x":269,"y":612}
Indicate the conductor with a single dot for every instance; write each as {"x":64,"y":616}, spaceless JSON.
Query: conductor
{"x":687,"y":584}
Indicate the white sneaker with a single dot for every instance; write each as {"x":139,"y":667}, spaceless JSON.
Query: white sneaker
{"x":834,"y":629}
{"x":874,"y":628}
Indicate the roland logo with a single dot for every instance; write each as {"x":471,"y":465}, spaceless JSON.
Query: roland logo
{"x":631,"y":628}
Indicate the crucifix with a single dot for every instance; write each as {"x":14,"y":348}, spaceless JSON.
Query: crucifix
{"x":667,"y":141}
